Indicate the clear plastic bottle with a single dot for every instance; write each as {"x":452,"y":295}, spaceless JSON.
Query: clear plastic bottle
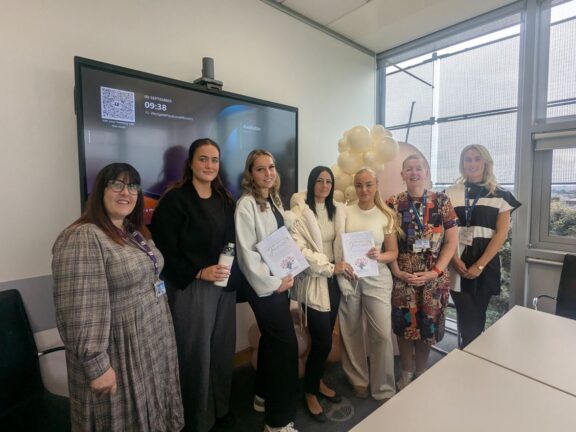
{"x":226,"y":258}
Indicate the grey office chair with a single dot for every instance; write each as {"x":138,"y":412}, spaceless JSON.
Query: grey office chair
{"x":566,"y":297}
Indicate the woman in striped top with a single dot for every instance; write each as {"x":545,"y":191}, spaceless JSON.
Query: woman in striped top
{"x":483,"y":209}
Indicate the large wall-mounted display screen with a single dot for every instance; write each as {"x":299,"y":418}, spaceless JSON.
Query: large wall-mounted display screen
{"x":150,"y":121}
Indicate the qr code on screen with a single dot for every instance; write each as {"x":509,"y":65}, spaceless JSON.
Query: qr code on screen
{"x":117,"y":104}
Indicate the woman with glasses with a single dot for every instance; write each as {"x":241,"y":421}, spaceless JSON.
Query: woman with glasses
{"x":113,"y":315}
{"x":369,"y":297}
{"x":483,"y":209}
{"x":191,"y":225}
{"x":421,"y":284}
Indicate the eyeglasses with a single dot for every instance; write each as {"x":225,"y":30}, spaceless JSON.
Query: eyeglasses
{"x":118,"y":186}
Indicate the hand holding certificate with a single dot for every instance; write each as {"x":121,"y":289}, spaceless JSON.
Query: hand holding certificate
{"x":281,"y":253}
{"x":355,"y":246}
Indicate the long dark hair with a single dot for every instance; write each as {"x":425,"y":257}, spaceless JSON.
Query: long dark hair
{"x":96,"y":211}
{"x":217,"y":184}
{"x":310,"y":197}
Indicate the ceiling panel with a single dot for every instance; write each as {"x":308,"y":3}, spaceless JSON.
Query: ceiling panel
{"x":324,"y":11}
{"x":383,"y":24}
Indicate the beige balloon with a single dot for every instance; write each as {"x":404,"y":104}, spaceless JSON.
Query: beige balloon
{"x":371,"y":159}
{"x":350,"y":194}
{"x":336,"y":170}
{"x":349,"y":162}
{"x":343,"y":181}
{"x":339,"y":196}
{"x":386,"y":149}
{"x":343,"y":145}
{"x":379,"y":131}
{"x":358,"y":139}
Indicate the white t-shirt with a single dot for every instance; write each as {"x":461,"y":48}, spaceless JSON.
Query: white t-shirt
{"x":367,"y":220}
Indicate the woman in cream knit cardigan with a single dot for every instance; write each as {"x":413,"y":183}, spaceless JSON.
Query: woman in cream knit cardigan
{"x":316,"y":222}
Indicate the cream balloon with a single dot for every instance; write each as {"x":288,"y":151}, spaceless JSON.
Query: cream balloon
{"x":371,"y":159}
{"x":350,"y":194}
{"x":336,"y":170}
{"x":343,"y":145}
{"x":339,"y":196}
{"x":349,"y":162}
{"x":379,"y":168}
{"x":358,"y":139}
{"x":343,"y":181}
{"x":386,"y":149}
{"x":379,"y":131}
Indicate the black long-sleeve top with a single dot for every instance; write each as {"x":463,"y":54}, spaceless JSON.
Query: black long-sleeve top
{"x":191,"y":232}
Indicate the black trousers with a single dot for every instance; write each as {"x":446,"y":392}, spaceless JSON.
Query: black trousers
{"x":471,"y":309}
{"x":320,"y":326}
{"x":277,"y":374}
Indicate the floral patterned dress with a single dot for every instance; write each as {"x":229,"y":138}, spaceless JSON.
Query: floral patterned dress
{"x":419,"y":312}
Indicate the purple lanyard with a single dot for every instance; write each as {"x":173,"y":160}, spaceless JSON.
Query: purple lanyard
{"x":141,"y":243}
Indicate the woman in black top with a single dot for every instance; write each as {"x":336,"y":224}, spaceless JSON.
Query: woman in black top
{"x":191,"y":225}
{"x":483,"y":209}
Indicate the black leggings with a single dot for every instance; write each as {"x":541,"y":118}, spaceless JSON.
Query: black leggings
{"x":471,"y":309}
{"x":320,"y":325}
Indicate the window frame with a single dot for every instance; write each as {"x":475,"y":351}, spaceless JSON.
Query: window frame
{"x":544,"y":145}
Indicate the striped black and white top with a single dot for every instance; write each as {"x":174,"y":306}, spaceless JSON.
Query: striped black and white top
{"x":483,"y":223}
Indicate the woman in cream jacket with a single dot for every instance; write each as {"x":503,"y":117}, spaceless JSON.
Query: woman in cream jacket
{"x":316,"y":223}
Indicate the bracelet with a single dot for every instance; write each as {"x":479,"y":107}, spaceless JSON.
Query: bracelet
{"x":439,"y":272}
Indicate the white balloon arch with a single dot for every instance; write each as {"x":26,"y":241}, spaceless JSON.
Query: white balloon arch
{"x":361,"y":147}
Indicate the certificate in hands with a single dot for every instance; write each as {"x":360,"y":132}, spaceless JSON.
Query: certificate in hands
{"x":355,"y":246}
{"x":281,"y":253}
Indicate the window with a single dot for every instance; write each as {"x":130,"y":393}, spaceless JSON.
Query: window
{"x":559,"y":27}
{"x":456,"y":91}
{"x":555,"y":189}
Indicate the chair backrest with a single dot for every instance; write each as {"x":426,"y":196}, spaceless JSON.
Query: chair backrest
{"x":566,"y":299}
{"x":19,"y":366}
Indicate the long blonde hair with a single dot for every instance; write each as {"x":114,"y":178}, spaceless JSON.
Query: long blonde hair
{"x":488,"y":178}
{"x":393,"y":225}
{"x":247,"y":182}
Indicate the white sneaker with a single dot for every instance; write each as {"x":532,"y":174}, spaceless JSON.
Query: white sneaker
{"x":406,"y":379}
{"x":288,"y":428}
{"x":259,"y":404}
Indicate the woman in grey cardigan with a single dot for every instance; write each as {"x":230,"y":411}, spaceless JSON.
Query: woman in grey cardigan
{"x":258,"y":214}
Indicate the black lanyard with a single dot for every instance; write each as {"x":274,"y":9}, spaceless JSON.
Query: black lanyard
{"x":419,"y":215}
{"x":467,"y":209}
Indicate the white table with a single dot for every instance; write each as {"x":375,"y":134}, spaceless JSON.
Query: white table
{"x":465,"y":393}
{"x":536,"y":344}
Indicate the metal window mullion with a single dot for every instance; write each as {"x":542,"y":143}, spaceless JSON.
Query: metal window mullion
{"x":542,"y":58}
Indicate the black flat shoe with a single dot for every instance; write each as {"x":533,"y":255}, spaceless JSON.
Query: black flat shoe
{"x":334,"y":399}
{"x":320,"y":417}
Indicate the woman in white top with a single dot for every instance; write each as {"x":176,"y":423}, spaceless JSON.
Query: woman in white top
{"x":258,"y":214}
{"x":369,"y":297}
{"x":316,"y":222}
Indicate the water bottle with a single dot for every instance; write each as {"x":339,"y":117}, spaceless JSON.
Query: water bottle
{"x":226,"y":258}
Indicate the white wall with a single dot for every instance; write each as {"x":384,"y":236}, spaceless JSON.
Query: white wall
{"x":258,"y":51}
